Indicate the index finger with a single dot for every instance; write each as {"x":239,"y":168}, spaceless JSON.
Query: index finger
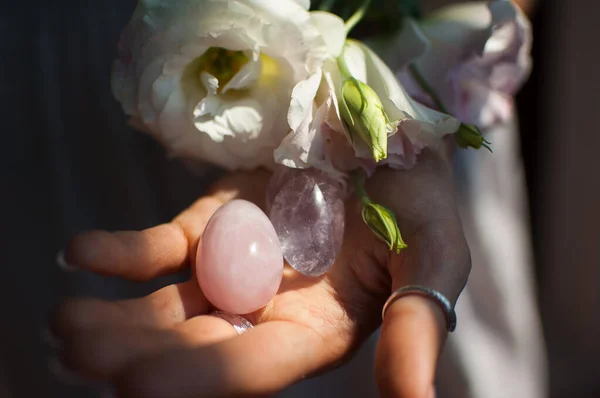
{"x":166,"y":248}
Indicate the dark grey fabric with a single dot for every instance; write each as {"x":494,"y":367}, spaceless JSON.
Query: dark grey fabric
{"x":569,"y":199}
{"x":69,"y":163}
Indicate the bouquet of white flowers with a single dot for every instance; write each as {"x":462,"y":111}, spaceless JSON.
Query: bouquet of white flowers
{"x":245,"y":84}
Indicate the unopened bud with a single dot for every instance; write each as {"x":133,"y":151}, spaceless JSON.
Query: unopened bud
{"x":383,"y":223}
{"x":469,"y":136}
{"x":364,"y":116}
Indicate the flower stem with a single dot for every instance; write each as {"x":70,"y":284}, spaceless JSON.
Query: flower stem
{"x":359,"y":188}
{"x":427,"y":88}
{"x":357,"y":16}
{"x":482,"y":142}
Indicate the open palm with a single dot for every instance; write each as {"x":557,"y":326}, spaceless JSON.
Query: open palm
{"x":166,"y":344}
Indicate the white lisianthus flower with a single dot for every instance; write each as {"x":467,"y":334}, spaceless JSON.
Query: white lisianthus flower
{"x":212,"y":79}
{"x":321,"y":140}
{"x":475,"y":56}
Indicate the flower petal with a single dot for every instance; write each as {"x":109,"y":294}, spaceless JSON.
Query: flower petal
{"x":303,"y":3}
{"x":478,"y":57}
{"x":408,"y":46}
{"x":238,"y":125}
{"x":333,"y":30}
{"x":219,"y":118}
{"x":301,"y":105}
{"x":400,"y":106}
{"x":318,"y":141}
{"x":355,"y":60}
{"x":247,"y":76}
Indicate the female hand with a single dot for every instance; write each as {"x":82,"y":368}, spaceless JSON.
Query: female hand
{"x":166,"y":344}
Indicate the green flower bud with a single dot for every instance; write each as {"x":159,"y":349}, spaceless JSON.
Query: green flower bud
{"x":383,"y":223}
{"x":469,"y":136}
{"x":364,"y":116}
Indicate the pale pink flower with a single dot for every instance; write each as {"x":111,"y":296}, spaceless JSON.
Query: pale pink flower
{"x":476,"y":56}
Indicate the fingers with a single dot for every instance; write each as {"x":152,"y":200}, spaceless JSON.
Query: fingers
{"x":134,"y":255}
{"x":102,"y":353}
{"x":262,"y":361}
{"x":162,"y":309}
{"x":411,"y":338}
{"x":423,"y":200}
{"x":164,"y":249}
{"x":419,"y":196}
{"x":142,"y":255}
{"x":437,"y":257}
{"x":98,"y":354}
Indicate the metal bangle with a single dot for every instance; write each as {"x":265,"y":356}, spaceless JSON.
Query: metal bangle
{"x":425,"y":291}
{"x":239,"y":323}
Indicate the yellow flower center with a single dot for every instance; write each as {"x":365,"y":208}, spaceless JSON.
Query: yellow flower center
{"x":224,"y":64}
{"x":221,"y":63}
{"x":270,"y":71}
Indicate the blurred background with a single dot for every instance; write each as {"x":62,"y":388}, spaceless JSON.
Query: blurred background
{"x":70,"y":164}
{"x":559,"y":134}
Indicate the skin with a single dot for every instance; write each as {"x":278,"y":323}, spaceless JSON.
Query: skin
{"x":165,"y":344}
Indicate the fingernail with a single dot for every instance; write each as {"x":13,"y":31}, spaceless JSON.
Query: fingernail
{"x":62,"y":263}
{"x":62,"y":374}
{"x":50,"y":339}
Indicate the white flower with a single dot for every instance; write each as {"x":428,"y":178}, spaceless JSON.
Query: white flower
{"x":475,"y":56}
{"x":320,"y":141}
{"x":212,"y":79}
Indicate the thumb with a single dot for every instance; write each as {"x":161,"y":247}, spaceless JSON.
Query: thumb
{"x":415,"y":326}
{"x":412,"y":335}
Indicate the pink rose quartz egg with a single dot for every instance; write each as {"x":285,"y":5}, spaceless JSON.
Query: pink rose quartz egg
{"x":239,"y":263}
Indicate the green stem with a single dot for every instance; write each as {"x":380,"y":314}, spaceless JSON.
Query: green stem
{"x":360,"y":188}
{"x":427,"y":88}
{"x":440,"y":105}
{"x":357,"y":16}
